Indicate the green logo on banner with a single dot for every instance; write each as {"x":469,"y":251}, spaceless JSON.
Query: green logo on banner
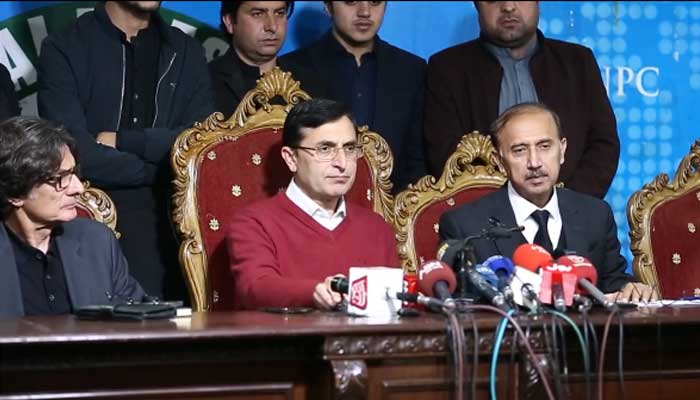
{"x":21,"y":37}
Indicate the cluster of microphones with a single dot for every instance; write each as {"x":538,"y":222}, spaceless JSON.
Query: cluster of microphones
{"x":530,"y":279}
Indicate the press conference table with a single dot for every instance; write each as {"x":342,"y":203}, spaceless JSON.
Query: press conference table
{"x":257,"y":355}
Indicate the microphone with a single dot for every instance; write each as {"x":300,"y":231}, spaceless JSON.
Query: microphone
{"x":487,"y":290}
{"x":558,"y":285}
{"x":430,"y":302}
{"x":436,"y":279}
{"x":447,"y":251}
{"x":503,"y":268}
{"x":497,"y":232}
{"x":587,"y":277}
{"x":531,"y":257}
{"x":340,"y":284}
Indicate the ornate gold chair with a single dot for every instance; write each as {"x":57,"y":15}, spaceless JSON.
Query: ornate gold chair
{"x":470,"y":173}
{"x":95,"y":204}
{"x":664,"y":220}
{"x":223,"y":165}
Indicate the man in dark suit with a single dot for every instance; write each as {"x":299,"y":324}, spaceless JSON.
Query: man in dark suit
{"x":52,"y":263}
{"x":256,"y":30}
{"x":382,"y":84}
{"x":470,"y":84}
{"x":530,"y":148}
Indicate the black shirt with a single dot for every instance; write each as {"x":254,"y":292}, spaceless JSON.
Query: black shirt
{"x":41,"y":277}
{"x":354,"y":85}
{"x":141,"y":78}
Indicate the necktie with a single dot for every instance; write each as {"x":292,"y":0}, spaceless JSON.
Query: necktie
{"x":542,"y":236}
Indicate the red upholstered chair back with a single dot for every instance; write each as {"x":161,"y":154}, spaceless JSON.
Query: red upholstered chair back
{"x":664,"y":219}
{"x":470,"y":173}
{"x":95,"y":204}
{"x":222,"y":166}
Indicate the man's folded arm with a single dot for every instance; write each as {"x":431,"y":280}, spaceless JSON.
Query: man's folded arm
{"x":58,"y":101}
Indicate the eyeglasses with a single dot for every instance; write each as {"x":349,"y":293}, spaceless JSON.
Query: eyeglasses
{"x":327,"y":153}
{"x":63,"y":179}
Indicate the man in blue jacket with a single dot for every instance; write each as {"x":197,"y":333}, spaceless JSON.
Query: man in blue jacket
{"x":382,"y":84}
{"x":125,"y":84}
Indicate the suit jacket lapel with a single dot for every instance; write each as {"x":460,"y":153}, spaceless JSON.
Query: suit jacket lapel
{"x":11,"y":294}
{"x":386,"y":88}
{"x":573,"y":225}
{"x":69,"y":249}
{"x":504,"y":212}
{"x":234,"y":80}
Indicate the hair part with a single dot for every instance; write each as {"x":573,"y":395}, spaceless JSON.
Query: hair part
{"x":31,"y":152}
{"x":517,"y":110}
{"x":311,"y":114}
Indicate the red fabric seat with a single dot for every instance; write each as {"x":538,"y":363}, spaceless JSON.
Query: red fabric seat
{"x":664,"y":219}
{"x":222,"y":166}
{"x":470,"y":173}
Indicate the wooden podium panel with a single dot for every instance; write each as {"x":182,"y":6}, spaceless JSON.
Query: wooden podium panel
{"x":256,"y":355}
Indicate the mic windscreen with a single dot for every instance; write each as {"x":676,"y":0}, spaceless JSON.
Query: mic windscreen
{"x":434,"y":271}
{"x":500,"y":263}
{"x":447,"y":251}
{"x":582,"y":267}
{"x":531,"y":256}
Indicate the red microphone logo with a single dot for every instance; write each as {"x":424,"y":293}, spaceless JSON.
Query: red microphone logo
{"x":358,"y":290}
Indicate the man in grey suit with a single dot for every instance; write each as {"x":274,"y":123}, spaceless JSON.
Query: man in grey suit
{"x":52,"y":263}
{"x":530,"y":148}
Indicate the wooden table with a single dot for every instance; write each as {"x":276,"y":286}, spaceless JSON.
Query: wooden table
{"x":239,"y":355}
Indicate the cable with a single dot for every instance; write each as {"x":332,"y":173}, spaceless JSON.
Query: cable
{"x":584,"y":347}
{"x":526,"y":342}
{"x":475,"y":363}
{"x":500,"y":333}
{"x":601,"y":360}
{"x":455,"y":339}
{"x":621,"y":343}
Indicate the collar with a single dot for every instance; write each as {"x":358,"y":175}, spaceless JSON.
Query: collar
{"x":246,"y":69}
{"x":537,"y":47}
{"x":503,"y":53}
{"x":523,"y":208}
{"x":309,"y":206}
{"x":156,"y":21}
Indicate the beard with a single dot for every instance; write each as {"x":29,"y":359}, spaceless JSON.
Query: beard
{"x":511,"y":39}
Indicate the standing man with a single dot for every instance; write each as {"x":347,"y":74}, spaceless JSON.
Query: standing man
{"x":530,"y":147}
{"x":125,"y":84}
{"x":285,"y":250}
{"x":256,"y":30}
{"x":382,"y":84}
{"x":470,"y":84}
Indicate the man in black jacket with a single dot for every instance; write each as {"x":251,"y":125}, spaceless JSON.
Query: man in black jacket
{"x":382,"y":84}
{"x":256,"y":30}
{"x":125,"y":85}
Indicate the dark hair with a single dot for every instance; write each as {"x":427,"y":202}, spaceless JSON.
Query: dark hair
{"x":30,"y":153}
{"x":231,"y":7}
{"x":311,"y":114}
{"x":519,"y":109}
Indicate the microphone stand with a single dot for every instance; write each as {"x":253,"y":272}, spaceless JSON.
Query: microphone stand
{"x":466,"y":255}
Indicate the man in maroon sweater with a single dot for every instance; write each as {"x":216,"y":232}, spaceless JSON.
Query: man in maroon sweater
{"x":286,"y":249}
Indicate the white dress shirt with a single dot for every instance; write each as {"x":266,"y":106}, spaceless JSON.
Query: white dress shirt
{"x":523,"y":210}
{"x":327,"y":219}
